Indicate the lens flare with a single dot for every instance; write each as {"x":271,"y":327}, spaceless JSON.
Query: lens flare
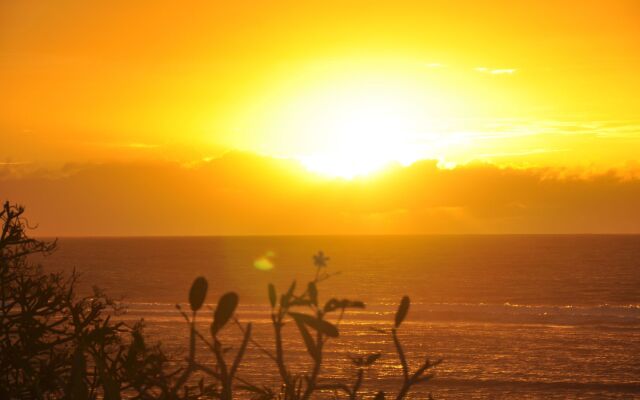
{"x":265,"y":262}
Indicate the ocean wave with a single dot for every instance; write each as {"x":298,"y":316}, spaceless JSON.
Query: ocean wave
{"x":602,"y":314}
{"x":560,"y":315}
{"x":633,"y":387}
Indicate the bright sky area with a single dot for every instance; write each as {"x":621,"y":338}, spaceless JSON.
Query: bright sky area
{"x":350,"y":104}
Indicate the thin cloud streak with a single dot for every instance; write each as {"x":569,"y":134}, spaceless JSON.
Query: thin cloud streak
{"x":496,"y":71}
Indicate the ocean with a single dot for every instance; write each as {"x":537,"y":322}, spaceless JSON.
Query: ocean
{"x":512,"y":317}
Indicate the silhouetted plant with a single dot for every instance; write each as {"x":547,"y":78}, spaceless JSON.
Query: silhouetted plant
{"x":419,"y":375}
{"x":55,"y":344}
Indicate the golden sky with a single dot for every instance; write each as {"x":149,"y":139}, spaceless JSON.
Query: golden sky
{"x":339,"y":88}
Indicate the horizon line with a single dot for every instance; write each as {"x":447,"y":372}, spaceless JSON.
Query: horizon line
{"x":55,"y":237}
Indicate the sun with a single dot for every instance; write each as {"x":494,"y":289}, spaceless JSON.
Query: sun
{"x":364,"y":129}
{"x":357,"y":128}
{"x":349,"y":123}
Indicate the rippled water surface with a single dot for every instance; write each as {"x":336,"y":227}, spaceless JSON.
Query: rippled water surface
{"x":513,"y":317}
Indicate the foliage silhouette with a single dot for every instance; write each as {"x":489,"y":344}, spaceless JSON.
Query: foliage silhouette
{"x":56,"y":344}
{"x":198,"y":293}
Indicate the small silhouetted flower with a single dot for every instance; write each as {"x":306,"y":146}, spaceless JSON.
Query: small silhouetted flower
{"x":320,"y":260}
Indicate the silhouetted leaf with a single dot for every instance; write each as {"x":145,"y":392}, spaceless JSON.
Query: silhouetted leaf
{"x":249,"y":388}
{"x":272,"y":295}
{"x":320,"y":325}
{"x":313,"y":293}
{"x":291,"y":289}
{"x":379,"y":396}
{"x":356,"y":304}
{"x":226,"y":306}
{"x":137,"y":344}
{"x":402,"y":310}
{"x":378,"y":330}
{"x":331,"y":305}
{"x":197,"y":293}
{"x":308,"y":340}
{"x":362,"y":361}
{"x":334,"y":304}
{"x":137,"y":347}
{"x":371,"y":358}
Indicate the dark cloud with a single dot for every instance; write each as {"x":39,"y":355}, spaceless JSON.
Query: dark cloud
{"x":247,"y":194}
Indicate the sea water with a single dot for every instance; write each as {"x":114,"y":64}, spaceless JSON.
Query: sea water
{"x":512,"y":317}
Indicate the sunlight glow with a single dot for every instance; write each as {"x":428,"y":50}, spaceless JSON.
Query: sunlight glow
{"x":360,"y":129}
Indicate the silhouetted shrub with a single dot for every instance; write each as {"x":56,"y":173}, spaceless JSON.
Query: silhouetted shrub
{"x":55,"y":344}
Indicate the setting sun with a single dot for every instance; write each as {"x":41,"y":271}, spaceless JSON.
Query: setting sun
{"x":351,"y":119}
{"x":359,"y":128}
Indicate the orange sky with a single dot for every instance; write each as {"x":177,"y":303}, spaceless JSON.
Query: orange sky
{"x":526,"y":91}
